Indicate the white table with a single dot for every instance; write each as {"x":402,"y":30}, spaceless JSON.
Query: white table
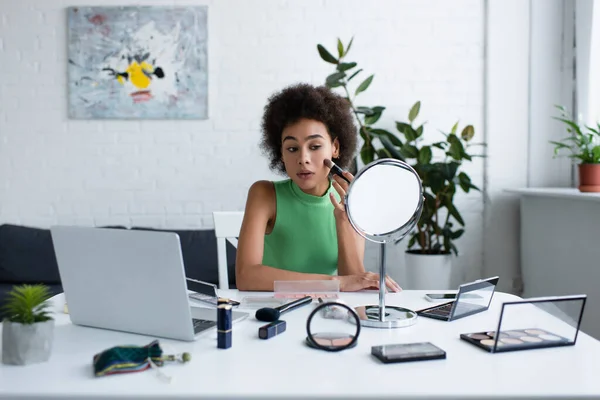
{"x":284,"y":366}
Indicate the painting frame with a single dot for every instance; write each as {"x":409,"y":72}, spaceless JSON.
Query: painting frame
{"x":138,"y":62}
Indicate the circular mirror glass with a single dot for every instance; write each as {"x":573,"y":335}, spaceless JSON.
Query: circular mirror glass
{"x":385,"y":199}
{"x":328,"y":327}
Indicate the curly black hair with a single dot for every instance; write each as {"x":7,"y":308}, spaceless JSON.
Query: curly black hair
{"x":319,"y":103}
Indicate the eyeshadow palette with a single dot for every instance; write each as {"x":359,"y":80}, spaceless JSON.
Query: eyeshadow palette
{"x":521,"y":339}
{"x":551,"y":321}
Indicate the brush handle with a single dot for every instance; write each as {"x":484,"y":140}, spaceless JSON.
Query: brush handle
{"x":294,"y":304}
{"x":339,"y":172}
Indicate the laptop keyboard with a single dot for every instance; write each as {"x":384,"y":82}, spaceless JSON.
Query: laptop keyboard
{"x":442,"y":311}
{"x":461,"y":308}
{"x":204,"y":297}
{"x":202,"y":324}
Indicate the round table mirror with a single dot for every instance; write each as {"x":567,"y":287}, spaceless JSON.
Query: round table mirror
{"x":384,"y":203}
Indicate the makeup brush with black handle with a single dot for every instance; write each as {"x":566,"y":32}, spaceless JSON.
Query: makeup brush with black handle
{"x":335,"y":169}
{"x":268,"y":314}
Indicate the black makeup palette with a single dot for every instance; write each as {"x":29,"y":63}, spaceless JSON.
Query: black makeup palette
{"x":536,"y":323}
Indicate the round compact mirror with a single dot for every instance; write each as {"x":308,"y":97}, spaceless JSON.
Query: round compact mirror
{"x":384,"y":202}
{"x":327,"y":327}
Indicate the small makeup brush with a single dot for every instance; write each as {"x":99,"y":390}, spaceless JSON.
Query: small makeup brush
{"x":335,"y":169}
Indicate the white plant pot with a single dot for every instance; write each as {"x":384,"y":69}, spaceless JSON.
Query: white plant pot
{"x":427,"y":271}
{"x":26,"y":343}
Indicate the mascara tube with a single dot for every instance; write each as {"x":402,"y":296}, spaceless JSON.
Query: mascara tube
{"x":224,"y":326}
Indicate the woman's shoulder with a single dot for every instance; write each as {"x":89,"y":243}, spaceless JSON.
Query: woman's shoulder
{"x":261,"y":190}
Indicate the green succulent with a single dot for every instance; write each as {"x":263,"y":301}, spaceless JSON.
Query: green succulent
{"x":28,"y":304}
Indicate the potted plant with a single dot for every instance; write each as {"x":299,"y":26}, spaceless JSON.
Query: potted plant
{"x":28,"y":329}
{"x":583,"y":143}
{"x":431,"y":246}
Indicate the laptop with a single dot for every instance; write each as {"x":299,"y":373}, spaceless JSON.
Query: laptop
{"x":472,"y":298}
{"x":129,"y":280}
{"x":206,"y":292}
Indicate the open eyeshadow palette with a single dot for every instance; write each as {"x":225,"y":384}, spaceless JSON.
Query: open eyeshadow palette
{"x":533,"y":324}
{"x":516,"y":339}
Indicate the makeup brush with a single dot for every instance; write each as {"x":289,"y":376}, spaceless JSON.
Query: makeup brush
{"x":335,"y":169}
{"x":268,"y":314}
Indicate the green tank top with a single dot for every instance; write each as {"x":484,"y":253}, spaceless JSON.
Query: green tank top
{"x":304,"y":237}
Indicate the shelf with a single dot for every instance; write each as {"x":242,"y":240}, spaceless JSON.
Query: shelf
{"x":562,"y":193}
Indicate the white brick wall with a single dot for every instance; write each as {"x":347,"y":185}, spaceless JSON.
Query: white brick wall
{"x":175,"y":173}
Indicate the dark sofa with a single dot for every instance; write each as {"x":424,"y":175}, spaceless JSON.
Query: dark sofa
{"x":27,"y":256}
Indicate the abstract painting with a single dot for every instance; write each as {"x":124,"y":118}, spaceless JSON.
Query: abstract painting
{"x":141,"y":62}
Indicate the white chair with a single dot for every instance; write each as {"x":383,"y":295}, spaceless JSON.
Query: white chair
{"x":227,"y":228}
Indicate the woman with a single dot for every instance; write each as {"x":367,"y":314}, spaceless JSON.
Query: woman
{"x":297,"y":229}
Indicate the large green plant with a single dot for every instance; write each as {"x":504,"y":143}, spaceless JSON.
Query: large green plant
{"x":438,"y":163}
{"x":582,"y":142}
{"x":28,"y":304}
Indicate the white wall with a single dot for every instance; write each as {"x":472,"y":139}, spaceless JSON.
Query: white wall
{"x":173,"y":174}
{"x":507,"y":119}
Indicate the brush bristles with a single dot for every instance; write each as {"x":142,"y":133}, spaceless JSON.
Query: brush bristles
{"x":328,"y":163}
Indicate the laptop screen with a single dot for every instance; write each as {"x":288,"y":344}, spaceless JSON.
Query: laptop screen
{"x":205,"y":288}
{"x":474,"y":297}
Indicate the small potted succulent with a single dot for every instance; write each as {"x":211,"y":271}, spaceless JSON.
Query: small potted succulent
{"x":28,"y":328}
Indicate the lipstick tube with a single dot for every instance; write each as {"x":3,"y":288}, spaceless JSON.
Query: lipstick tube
{"x":224,"y":326}
{"x":272,"y":329}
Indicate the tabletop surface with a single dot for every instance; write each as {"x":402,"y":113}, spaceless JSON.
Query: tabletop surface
{"x":284,"y":366}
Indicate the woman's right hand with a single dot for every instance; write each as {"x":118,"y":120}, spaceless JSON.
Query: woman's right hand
{"x":365,"y":280}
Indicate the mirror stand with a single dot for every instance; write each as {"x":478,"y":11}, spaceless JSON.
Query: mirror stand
{"x":384,"y":203}
{"x":380,"y":316}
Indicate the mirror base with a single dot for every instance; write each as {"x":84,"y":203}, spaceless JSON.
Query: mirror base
{"x":395,"y":317}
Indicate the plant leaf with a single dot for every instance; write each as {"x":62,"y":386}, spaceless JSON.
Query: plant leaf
{"x":27,"y":304}
{"x":464,"y":181}
{"x":409,"y":151}
{"x":407,"y":130}
{"x":454,"y":212}
{"x":345,"y":66}
{"x":425,"y":155}
{"x":383,"y":153}
{"x":419,"y":131}
{"x":596,"y":153}
{"x":382,"y":132}
{"x":449,"y":169}
{"x":325,"y":55}
{"x":364,"y":85}
{"x":340,"y":48}
{"x":390,"y":148}
{"x":414,"y":111}
{"x":334,"y":78}
{"x":349,"y":45}
{"x":454,"y":128}
{"x":365,"y":110}
{"x":367,"y":153}
{"x":457,"y":234}
{"x":467,"y":133}
{"x":371,"y":119}
{"x":354,"y":74}
{"x":571,"y":124}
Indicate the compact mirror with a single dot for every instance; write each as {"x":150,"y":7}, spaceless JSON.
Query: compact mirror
{"x":384,"y":202}
{"x":327,"y":327}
